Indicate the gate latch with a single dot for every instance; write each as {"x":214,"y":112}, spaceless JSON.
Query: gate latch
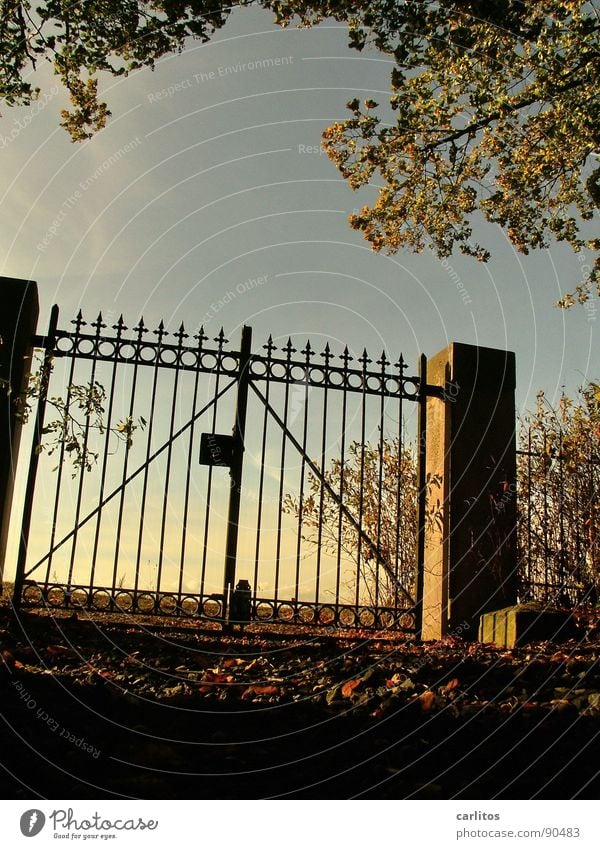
{"x":240,"y":607}
{"x":216,"y":449}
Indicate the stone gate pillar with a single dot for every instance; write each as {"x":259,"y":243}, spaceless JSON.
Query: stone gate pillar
{"x":470,"y":539}
{"x":18,"y":322}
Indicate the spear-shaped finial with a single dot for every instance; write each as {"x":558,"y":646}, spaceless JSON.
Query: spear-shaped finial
{"x":269,"y":347}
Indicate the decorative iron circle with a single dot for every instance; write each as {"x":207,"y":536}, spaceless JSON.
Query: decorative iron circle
{"x":167,"y":604}
{"x":336,"y":378}
{"x":374,"y":383}
{"x":407,"y":622}
{"x":65,"y":344}
{"x":101,"y":600}
{"x":279,"y":370}
{"x":306,"y":614}
{"x":298,"y":373}
{"x":317,"y":375}
{"x":208,"y":362}
{"x":354,"y":381}
{"x":264,"y":611}
{"x":367,"y":617}
{"x":392,"y":385}
{"x":147,"y":353}
{"x":126,"y":351}
{"x":168,"y":356}
{"x":386,"y":619}
{"x":286,"y":613}
{"x":347,"y":617}
{"x":56,"y":596}
{"x":258,"y":368}
{"x":188,"y":358}
{"x":106,"y":348}
{"x":79,"y":598}
{"x":229,"y":364}
{"x":145,"y":603}
{"x":326,"y":615}
{"x":411,"y":388}
{"x":85,"y":346}
{"x":190,"y":606}
{"x":211,"y":608}
{"x":32,"y":594}
{"x":124,"y":602}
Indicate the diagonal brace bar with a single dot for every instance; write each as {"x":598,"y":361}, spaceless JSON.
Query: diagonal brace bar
{"x":315,"y":469}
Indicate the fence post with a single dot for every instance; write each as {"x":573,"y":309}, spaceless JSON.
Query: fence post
{"x":235,"y":471}
{"x":470,"y":539}
{"x":18,"y":322}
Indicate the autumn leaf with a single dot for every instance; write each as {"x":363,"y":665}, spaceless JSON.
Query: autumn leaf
{"x":7,"y":659}
{"x":427,"y":700}
{"x":451,"y":685}
{"x":350,"y":686}
{"x":217,"y":678}
{"x":562,"y":705}
{"x":266,"y":690}
{"x":260,"y":690}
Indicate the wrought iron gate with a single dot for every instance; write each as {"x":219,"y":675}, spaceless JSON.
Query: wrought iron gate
{"x":313,"y":499}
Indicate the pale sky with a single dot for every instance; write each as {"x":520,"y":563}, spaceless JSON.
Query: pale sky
{"x":209,"y":176}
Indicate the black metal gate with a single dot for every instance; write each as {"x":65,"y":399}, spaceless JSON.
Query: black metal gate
{"x":313,"y":504}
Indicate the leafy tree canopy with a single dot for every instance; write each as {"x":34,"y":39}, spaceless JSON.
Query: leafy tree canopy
{"x":495,"y":106}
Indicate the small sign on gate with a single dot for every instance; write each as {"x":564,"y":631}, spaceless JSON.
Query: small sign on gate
{"x":216,"y":449}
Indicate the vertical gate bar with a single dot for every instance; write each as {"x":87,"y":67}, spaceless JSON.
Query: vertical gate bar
{"x":529,"y":510}
{"x":86,"y":434}
{"x":119,"y":327}
{"x":547,"y":462}
{"x":399,"y":486}
{"x":561,"y":515}
{"x":239,"y":433}
{"x":577,"y":540}
{"x":220,"y":340}
{"x":307,"y":353}
{"x":269,"y":347}
{"x":160,"y":332}
{"x":78,"y":324}
{"x":186,"y":498}
{"x":50,"y":343}
{"x":180,"y":336}
{"x":593,"y":532}
{"x":345,"y":357}
{"x":383,"y":363}
{"x":327,"y":355}
{"x":422,"y":491}
{"x":289,"y":351}
{"x":140,"y":330}
{"x":361,"y":490}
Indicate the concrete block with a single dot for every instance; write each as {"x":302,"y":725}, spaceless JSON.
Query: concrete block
{"x":525,"y":623}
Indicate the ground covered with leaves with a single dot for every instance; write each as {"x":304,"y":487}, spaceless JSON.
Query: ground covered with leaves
{"x":111,"y":709}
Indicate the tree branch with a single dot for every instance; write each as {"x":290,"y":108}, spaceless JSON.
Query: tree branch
{"x":475,"y":126}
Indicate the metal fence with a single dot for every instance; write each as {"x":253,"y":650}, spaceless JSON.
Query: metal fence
{"x":159,"y":515}
{"x":558,"y":522}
